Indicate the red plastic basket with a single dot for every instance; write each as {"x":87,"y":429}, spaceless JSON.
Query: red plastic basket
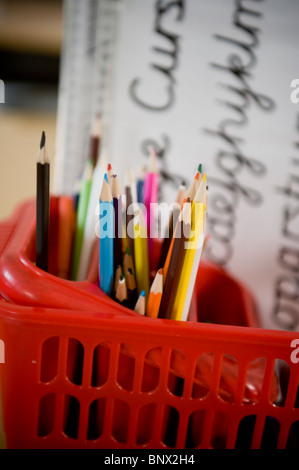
{"x":81,"y":371}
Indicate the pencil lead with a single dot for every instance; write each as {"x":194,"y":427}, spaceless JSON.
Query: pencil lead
{"x":43,"y":140}
{"x":199,"y":168}
{"x":42,"y":156}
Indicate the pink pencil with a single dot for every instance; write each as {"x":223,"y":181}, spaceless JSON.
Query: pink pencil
{"x":150,"y":197}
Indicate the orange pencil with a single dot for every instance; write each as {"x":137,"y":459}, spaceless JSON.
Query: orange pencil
{"x":67,"y":218}
{"x":155,"y":295}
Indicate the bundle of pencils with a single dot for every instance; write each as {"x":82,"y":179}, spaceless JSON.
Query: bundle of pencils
{"x":127,"y":238}
{"x":123,"y":249}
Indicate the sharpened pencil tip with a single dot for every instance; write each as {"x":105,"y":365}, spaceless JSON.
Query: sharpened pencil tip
{"x":43,"y":140}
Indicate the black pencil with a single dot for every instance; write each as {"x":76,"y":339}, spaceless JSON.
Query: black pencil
{"x":42,"y":205}
{"x":117,"y":205}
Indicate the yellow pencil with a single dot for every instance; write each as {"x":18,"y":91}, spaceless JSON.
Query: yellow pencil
{"x":182,"y":298}
{"x":141,"y":253}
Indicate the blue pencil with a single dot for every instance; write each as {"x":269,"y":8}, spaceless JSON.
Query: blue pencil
{"x":106,"y":240}
{"x":140,"y":185}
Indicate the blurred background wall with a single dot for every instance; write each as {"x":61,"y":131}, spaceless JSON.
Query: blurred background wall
{"x":30,"y":44}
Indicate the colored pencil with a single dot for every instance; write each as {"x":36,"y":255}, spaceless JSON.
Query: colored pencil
{"x":176,"y":261}
{"x":109,"y":172}
{"x":155,"y":295}
{"x":121,"y":294}
{"x":42,"y":205}
{"x":127,"y":261}
{"x":193,"y":186}
{"x":140,"y":304}
{"x":140,"y":184}
{"x":132,"y":184}
{"x":106,"y":237}
{"x":190,"y":194}
{"x":199,"y":199}
{"x":129,"y":216}
{"x":92,"y":218}
{"x":181,"y":303}
{"x":173,"y":217}
{"x":66,"y":230}
{"x":118,"y":273}
{"x":76,"y":193}
{"x":150,"y":198}
{"x":95,"y":140}
{"x":131,"y":287}
{"x":141,"y":253}
{"x":117,"y":207}
{"x":93,"y":270}
{"x":81,"y":216}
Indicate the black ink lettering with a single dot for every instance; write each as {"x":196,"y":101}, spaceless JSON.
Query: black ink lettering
{"x":287,"y":190}
{"x":168,"y":102}
{"x":168,"y":72}
{"x":282,"y":285}
{"x":285,"y":316}
{"x":289,"y":214}
{"x":289,"y":259}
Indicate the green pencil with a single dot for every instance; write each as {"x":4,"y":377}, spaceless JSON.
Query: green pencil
{"x":81,"y":216}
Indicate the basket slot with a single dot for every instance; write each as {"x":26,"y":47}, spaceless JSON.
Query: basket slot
{"x":170,"y":426}
{"x":220,"y":429}
{"x":126,"y":368}
{"x":258,"y":432}
{"x":145,"y":423}
{"x":100,"y":365}
{"x":293,"y":438}
{"x":151,"y":370}
{"x":245,"y":432}
{"x":75,"y":359}
{"x":270,"y":433}
{"x":96,"y":419}
{"x":241,"y":385}
{"x":121,"y":419}
{"x":292,"y":398}
{"x":228,"y":379}
{"x":194,"y":439}
{"x":71,"y":416}
{"x":49,"y":359}
{"x":203,"y":375}
{"x":282,"y":370}
{"x":176,"y":384}
{"x":46,"y":413}
{"x":255,"y":373}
